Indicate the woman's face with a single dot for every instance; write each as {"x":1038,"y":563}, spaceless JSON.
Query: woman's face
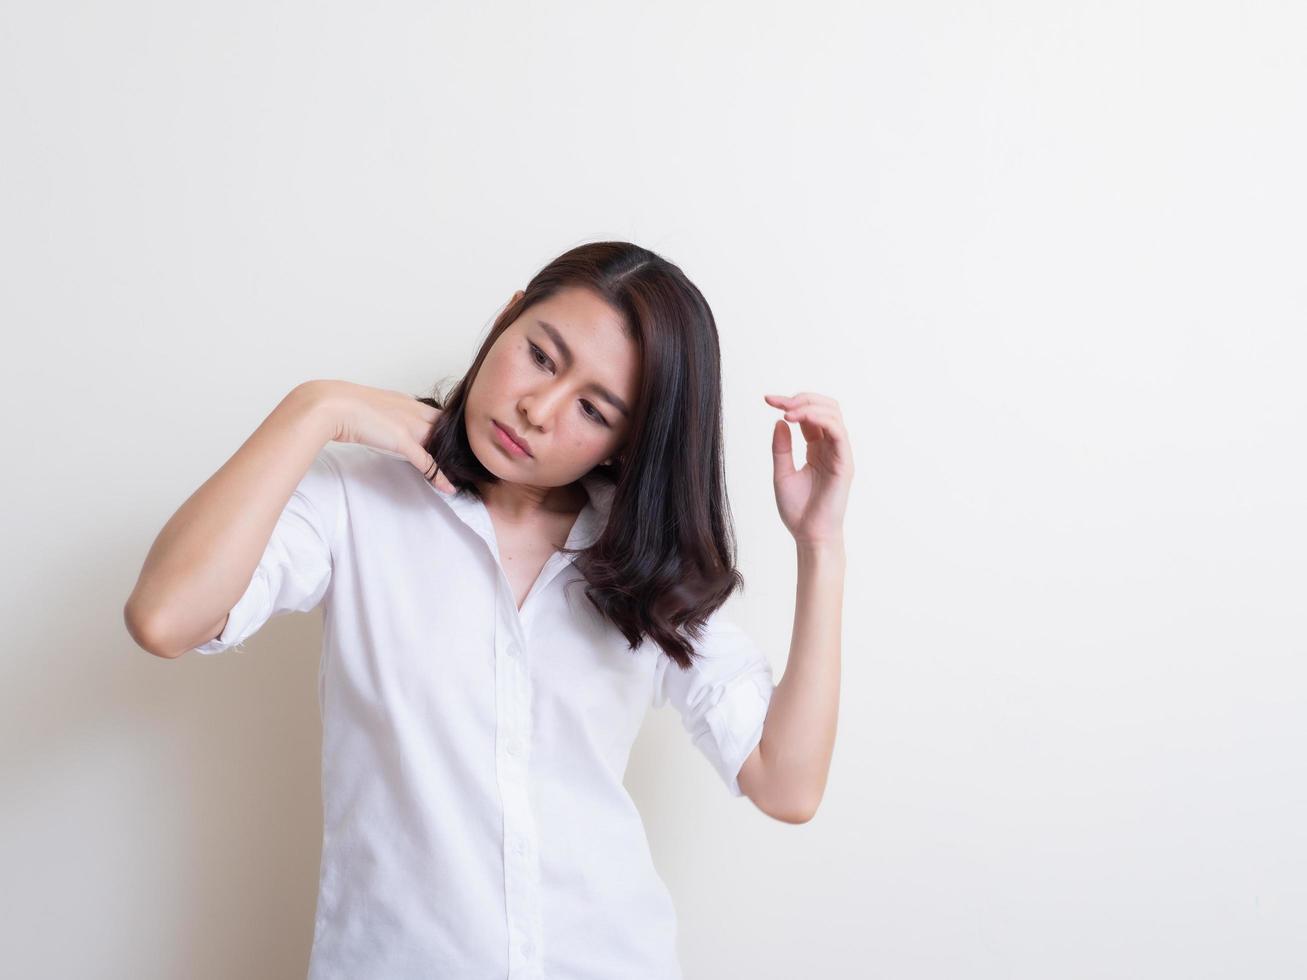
{"x":563,"y":377}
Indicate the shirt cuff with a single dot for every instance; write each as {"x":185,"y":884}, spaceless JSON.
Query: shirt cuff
{"x":242,"y":618}
{"x":736,"y":723}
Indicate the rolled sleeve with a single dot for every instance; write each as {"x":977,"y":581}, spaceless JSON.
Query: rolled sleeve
{"x":294,"y":571}
{"x":723,"y":698}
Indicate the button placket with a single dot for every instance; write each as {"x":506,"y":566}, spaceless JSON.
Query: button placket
{"x":521,"y":874}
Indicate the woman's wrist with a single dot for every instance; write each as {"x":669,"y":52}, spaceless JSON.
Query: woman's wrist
{"x":310,"y":407}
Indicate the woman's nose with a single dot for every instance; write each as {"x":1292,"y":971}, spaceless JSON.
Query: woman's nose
{"x":539,"y":409}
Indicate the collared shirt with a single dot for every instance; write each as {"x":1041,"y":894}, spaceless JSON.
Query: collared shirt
{"x":475,"y":824}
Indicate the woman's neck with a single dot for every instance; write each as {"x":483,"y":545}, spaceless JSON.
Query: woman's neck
{"x":519,"y":503}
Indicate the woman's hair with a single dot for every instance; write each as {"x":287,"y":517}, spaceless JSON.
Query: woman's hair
{"x":666,"y":559}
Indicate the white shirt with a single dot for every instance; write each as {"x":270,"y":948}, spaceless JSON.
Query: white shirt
{"x":475,"y":821}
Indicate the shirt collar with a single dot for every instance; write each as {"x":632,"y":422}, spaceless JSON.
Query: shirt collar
{"x":589,"y":524}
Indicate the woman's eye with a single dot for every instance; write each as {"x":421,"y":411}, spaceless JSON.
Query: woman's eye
{"x":588,"y":410}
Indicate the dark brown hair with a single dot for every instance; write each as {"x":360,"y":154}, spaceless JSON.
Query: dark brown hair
{"x":666,"y":559}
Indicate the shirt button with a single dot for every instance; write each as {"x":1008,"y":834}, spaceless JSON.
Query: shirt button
{"x":528,"y":948}
{"x":512,"y":649}
{"x":520,"y":846}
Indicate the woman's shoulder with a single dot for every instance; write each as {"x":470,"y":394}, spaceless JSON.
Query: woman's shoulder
{"x":362,"y":468}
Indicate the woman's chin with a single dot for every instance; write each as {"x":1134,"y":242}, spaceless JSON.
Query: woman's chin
{"x":492,"y":459}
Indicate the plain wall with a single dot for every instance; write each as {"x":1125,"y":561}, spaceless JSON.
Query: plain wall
{"x":1049,"y":257}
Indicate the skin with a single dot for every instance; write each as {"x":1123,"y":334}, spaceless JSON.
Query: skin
{"x":785,"y":775}
{"x":569,"y":428}
{"x":550,"y":404}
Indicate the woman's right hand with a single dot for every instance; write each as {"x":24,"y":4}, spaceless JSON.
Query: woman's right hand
{"x":393,"y":422}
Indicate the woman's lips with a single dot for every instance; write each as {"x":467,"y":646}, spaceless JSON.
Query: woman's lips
{"x":508,"y":442}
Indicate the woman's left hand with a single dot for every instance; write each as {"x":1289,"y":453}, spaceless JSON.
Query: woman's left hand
{"x":811,"y":501}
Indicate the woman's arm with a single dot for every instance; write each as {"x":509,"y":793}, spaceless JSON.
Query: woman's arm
{"x":786,"y":775}
{"x":202,"y":560}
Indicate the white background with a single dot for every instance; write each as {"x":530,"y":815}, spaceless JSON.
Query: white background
{"x":1049,"y":258}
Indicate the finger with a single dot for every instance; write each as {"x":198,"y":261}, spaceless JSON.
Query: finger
{"x":440,"y":480}
{"x":802,"y":398}
{"x":818,"y":425}
{"x":815,"y":422}
{"x":808,"y":399}
{"x":822,"y":417}
{"x":824,"y":425}
{"x":816,"y":398}
{"x":425,"y":463}
{"x":782,"y":451}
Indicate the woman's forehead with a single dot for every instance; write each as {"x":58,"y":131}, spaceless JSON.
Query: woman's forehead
{"x":602,"y":351}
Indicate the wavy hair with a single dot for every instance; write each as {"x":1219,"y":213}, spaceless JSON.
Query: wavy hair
{"x":665,"y":561}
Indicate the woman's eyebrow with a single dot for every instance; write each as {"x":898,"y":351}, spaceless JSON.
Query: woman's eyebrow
{"x":566,"y":353}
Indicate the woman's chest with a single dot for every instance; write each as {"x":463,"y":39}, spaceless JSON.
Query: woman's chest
{"x":524,"y":550}
{"x":523,"y":554}
{"x":429,"y":623}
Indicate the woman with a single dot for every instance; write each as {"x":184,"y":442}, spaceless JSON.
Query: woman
{"x":496,"y":626}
